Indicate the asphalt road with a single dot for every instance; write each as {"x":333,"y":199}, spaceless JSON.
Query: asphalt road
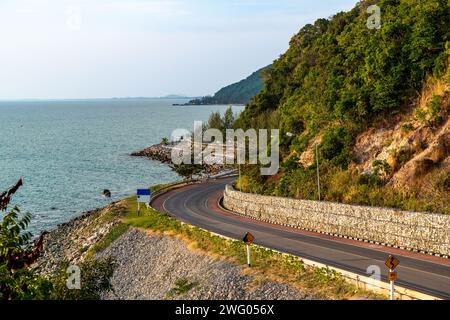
{"x":197,"y":205}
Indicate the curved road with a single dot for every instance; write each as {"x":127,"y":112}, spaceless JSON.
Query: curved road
{"x":198,"y":205}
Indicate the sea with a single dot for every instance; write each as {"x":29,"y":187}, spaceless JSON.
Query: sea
{"x":69,"y":151}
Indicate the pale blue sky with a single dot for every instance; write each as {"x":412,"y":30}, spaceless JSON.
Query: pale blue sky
{"x":61,"y":49}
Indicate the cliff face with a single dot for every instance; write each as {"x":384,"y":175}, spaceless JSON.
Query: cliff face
{"x":414,"y":146}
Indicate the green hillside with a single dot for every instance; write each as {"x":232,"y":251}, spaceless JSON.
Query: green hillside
{"x":236,"y":93}
{"x":339,"y":79}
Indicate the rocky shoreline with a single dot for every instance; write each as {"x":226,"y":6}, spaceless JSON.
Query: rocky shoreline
{"x":163,"y":153}
{"x":158,"y":152}
{"x":71,"y":241}
{"x":154,"y":266}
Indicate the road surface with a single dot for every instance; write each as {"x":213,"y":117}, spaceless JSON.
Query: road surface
{"x":198,"y":205}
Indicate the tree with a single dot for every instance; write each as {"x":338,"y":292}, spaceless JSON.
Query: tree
{"x":215,"y":121}
{"x":187,"y":170}
{"x":17,"y":253}
{"x":164,"y":141}
{"x":228,"y":119}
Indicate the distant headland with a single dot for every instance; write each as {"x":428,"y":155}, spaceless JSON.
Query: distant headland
{"x":238,"y":93}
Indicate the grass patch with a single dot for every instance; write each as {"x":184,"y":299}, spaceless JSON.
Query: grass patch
{"x":169,"y":186}
{"x":182,"y":286}
{"x":157,"y":187}
{"x":109,"y":238}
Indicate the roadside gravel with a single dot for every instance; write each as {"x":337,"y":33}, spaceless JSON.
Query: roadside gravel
{"x":153,"y":266}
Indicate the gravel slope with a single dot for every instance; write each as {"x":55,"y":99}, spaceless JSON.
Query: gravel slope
{"x":148,"y":267}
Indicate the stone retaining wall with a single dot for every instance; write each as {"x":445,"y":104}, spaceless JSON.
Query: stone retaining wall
{"x":416,"y":231}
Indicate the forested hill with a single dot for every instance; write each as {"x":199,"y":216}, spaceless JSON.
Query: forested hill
{"x":236,"y":93}
{"x":374,"y":100}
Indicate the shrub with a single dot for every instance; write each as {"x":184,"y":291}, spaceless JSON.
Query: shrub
{"x":336,"y":146}
{"x":434,"y":107}
{"x":95,"y":279}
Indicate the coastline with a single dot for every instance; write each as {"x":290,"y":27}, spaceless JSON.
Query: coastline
{"x":72,"y":240}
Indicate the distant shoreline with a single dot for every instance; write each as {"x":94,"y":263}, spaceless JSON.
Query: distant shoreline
{"x":207,"y":104}
{"x":95,"y":99}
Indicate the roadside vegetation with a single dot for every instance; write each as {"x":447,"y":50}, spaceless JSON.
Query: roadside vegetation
{"x":215,"y":121}
{"x":349,"y":186}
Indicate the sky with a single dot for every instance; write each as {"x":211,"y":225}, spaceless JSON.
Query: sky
{"x":81,"y":49}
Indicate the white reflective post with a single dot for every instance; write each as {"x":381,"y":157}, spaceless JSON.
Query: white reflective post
{"x":392,"y":287}
{"x":248,"y":255}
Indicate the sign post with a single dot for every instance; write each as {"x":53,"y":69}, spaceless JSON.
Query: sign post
{"x":143,"y":196}
{"x":318,"y":173}
{"x":392,"y":262}
{"x":248,"y":240}
{"x":240,"y":180}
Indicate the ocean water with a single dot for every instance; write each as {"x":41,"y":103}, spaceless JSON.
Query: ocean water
{"x":68,"y":152}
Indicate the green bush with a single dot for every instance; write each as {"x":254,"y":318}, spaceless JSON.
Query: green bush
{"x":434,"y":107}
{"x":95,"y":279}
{"x":336,"y":146}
